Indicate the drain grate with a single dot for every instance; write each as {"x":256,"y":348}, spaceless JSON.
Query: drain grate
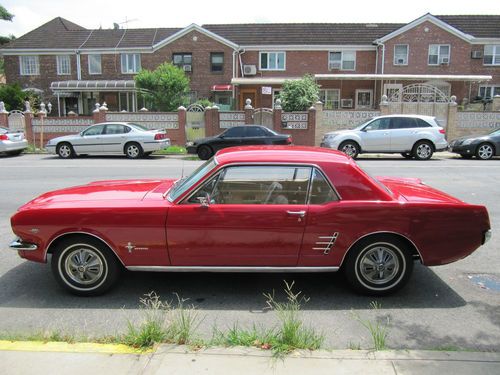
{"x":485,"y":281}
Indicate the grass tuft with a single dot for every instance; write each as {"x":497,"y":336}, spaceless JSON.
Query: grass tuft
{"x":379,"y":330}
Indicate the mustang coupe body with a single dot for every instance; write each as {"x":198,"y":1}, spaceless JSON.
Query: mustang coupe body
{"x":251,"y":209}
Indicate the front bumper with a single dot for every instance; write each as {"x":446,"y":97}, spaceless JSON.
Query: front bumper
{"x":487,"y":236}
{"x":469,"y":149}
{"x":18,"y":244}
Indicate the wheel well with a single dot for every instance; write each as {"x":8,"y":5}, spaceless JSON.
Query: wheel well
{"x":411,"y":246}
{"x":130,"y":142}
{"x":425,"y":140}
{"x":487,"y":143}
{"x":204,"y":145}
{"x":351,"y":140}
{"x":53,"y":245}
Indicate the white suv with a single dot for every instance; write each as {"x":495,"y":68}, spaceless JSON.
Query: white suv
{"x":410,"y":135}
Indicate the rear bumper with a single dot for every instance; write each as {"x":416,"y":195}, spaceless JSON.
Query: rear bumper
{"x":441,"y":146}
{"x":8,"y":146}
{"x":156,"y":145}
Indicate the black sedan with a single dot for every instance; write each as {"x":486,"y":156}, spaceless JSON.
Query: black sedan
{"x":482,"y":146}
{"x":245,"y":135}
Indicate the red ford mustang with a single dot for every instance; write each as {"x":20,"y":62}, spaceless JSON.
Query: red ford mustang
{"x":252,"y":209}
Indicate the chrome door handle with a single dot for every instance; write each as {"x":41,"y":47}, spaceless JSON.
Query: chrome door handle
{"x":296,"y":213}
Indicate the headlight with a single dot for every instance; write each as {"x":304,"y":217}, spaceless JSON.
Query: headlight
{"x":467,"y":142}
{"x":329,"y":137}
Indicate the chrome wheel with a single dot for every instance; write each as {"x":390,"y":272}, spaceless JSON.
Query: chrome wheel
{"x":133,"y":150}
{"x":379,"y":265}
{"x":84,"y":265}
{"x":424,"y":151}
{"x":65,"y":151}
{"x":485,"y":151}
{"x":350,"y":149}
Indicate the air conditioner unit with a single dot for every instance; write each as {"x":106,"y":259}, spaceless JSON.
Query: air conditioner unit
{"x":477,"y":54}
{"x":444,"y":61}
{"x":346,"y":103}
{"x":401,"y":61}
{"x":249,"y":70}
{"x":187,"y":68}
{"x":335,"y":65}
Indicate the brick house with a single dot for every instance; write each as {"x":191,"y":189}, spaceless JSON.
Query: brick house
{"x":354,"y":63}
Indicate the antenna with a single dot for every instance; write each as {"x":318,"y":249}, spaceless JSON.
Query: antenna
{"x":126,"y":22}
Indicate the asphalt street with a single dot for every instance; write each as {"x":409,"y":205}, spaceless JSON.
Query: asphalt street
{"x":447,"y":307}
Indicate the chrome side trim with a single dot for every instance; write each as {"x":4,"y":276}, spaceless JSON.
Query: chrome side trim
{"x":329,"y":244}
{"x":231,"y":269}
{"x":19,"y":244}
{"x":382,"y":232}
{"x":85,"y":233}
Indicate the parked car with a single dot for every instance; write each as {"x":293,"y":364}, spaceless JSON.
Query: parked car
{"x":245,"y":135}
{"x":481,"y":146}
{"x":251,"y":209}
{"x":412,"y":136}
{"x":12,"y":143}
{"x":133,"y":140}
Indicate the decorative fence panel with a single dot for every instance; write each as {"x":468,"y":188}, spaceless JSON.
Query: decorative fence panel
{"x":61,"y":126}
{"x":469,"y":123}
{"x":294,"y":120}
{"x":151,"y":120}
{"x":230,"y":119}
{"x":338,"y":120}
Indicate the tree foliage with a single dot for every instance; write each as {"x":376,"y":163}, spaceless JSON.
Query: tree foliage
{"x":5,"y":15}
{"x":12,"y":96}
{"x":167,"y":87}
{"x":300,"y":94}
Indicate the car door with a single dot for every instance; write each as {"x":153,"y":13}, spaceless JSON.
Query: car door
{"x":403,"y":133}
{"x":231,"y":137}
{"x":90,"y":140}
{"x":254,"y":135}
{"x":255,"y":216}
{"x":114,"y":138}
{"x":375,"y":135}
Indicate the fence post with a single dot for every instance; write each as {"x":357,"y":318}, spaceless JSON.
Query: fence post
{"x":451,"y":125}
{"x":495,"y":107}
{"x":277,"y":112}
{"x":4,"y":116}
{"x":311,"y":126}
{"x":215,"y":119}
{"x":209,"y":128}
{"x":384,"y":106}
{"x":319,"y":122}
{"x":181,"y":118}
{"x":96,"y":114}
{"x":248,"y":112}
{"x":28,"y":123}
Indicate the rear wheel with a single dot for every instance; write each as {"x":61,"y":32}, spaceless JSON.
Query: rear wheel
{"x":423,"y":150}
{"x":350,"y":148}
{"x":84,"y":266}
{"x":133,"y":150}
{"x":204,"y":152}
{"x":485,"y":151}
{"x":378,"y":265}
{"x":65,"y":150}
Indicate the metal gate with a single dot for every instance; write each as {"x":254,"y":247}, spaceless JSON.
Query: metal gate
{"x":195,"y":122}
{"x":16,"y":121}
{"x":420,"y":99}
{"x":263,"y":116}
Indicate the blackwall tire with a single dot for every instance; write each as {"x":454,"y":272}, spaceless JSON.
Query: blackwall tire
{"x":84,"y":266}
{"x":205,"y":152}
{"x":485,"y":151}
{"x":350,"y":148}
{"x":65,"y":150}
{"x":423,"y":150}
{"x":378,"y":265}
{"x":133,"y":150}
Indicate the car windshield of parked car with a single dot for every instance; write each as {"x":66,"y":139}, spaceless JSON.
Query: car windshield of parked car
{"x":94,"y":130}
{"x":359,"y":127}
{"x":235,"y":132}
{"x":138,"y":126}
{"x":185,"y":183}
{"x":495,"y":132}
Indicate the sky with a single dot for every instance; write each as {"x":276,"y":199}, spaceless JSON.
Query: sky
{"x":29,"y":14}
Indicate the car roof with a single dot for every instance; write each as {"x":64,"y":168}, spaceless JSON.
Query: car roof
{"x":281,"y":154}
{"x":423,"y":117}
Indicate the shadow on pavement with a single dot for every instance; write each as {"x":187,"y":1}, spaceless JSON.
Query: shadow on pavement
{"x":32,"y":285}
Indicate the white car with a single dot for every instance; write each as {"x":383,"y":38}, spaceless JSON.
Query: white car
{"x":133,"y":140}
{"x":12,"y":143}
{"x":410,"y":135}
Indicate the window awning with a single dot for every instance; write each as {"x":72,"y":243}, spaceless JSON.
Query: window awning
{"x":78,"y":86}
{"x":222,"y":88}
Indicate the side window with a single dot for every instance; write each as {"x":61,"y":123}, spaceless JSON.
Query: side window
{"x":257,"y":185}
{"x":379,"y":124}
{"x":422,"y":123}
{"x":403,"y":123}
{"x":94,"y":130}
{"x":116,"y":129}
{"x":255,"y":132}
{"x":321,"y":191}
{"x":235,"y":132}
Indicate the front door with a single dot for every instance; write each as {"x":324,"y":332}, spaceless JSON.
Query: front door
{"x":254,"y":216}
{"x":376,"y":135}
{"x":90,"y":141}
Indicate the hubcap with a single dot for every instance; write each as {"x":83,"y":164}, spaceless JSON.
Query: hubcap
{"x":485,"y":152}
{"x":84,"y":266}
{"x":424,"y":151}
{"x":349,"y":150}
{"x":64,"y":151}
{"x":133,"y":151}
{"x":379,"y":265}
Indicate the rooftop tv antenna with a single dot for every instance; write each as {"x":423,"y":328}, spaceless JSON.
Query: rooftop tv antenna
{"x":116,"y":25}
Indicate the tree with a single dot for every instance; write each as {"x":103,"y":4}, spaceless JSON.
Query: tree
{"x":5,"y":15}
{"x":300,"y":94}
{"x":12,"y":96}
{"x":167,"y":86}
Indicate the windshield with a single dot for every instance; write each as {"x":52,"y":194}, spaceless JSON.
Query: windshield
{"x":363,"y":124}
{"x":185,"y":183}
{"x":137,"y":126}
{"x":495,"y":132}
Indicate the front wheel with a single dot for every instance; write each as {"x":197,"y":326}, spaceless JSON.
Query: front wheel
{"x":423,"y":150}
{"x":485,"y":151}
{"x":84,"y":266}
{"x":65,"y":150}
{"x":379,"y":265}
{"x":133,"y":150}
{"x":349,"y":148}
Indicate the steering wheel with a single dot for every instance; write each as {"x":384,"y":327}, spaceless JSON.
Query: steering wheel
{"x":272,"y":188}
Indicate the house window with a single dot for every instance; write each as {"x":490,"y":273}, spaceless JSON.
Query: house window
{"x":343,"y":60}
{"x":330,"y":98}
{"x":183,"y":61}
{"x":439,"y":54}
{"x":131,"y":63}
{"x":364,"y":99}
{"x":63,"y":65}
{"x":95,"y":64}
{"x":489,"y":92}
{"x":29,"y":65}
{"x":272,"y":60}
{"x":217,"y":61}
{"x":401,"y":54}
{"x":491,"y":55}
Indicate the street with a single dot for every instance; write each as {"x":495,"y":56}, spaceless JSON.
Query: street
{"x":453,"y":306}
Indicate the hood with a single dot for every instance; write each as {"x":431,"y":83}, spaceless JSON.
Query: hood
{"x":336,"y":132}
{"x":415,"y":191}
{"x":101,"y":191}
{"x":70,"y":137}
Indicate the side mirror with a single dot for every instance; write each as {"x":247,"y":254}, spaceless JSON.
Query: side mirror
{"x":81,"y":134}
{"x":368,"y":128}
{"x":205,"y":200}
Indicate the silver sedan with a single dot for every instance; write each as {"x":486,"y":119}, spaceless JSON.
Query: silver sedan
{"x":133,"y":140}
{"x":12,"y":143}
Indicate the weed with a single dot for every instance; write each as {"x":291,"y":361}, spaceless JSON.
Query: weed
{"x":354,"y":346}
{"x":378,"y":330}
{"x":183,"y":324}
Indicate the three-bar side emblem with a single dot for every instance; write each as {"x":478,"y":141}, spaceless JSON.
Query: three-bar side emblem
{"x":326,"y":243}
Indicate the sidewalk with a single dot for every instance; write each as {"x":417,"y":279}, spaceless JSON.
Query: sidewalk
{"x":241,"y":361}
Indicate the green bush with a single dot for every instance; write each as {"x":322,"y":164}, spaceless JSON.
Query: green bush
{"x":13,"y":97}
{"x":300,"y":94}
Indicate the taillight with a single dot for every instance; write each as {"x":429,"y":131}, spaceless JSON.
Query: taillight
{"x":442,"y":131}
{"x":3,"y":137}
{"x":289,"y":141}
{"x":160,"y":136}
